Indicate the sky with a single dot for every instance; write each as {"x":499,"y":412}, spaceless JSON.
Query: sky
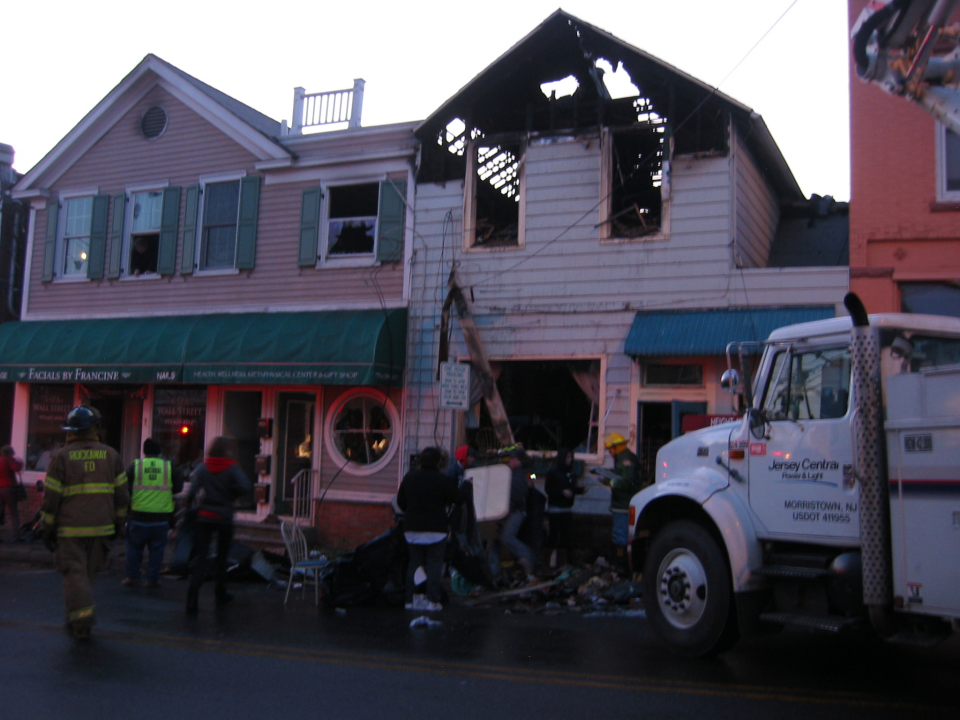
{"x":416,"y":54}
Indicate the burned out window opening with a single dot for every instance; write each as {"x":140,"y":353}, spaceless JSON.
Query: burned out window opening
{"x":352,"y":219}
{"x":635,"y":184}
{"x":550,"y":404}
{"x":494,"y":194}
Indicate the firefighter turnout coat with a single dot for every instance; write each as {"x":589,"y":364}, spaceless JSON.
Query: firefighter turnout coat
{"x":85,"y":492}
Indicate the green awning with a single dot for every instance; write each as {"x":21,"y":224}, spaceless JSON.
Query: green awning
{"x":343,"y":347}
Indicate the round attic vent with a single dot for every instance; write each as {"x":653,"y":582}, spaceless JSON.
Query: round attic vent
{"x":154,"y":122}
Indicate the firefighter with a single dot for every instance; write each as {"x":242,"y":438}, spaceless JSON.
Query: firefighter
{"x":85,"y":500}
{"x":629,"y":483}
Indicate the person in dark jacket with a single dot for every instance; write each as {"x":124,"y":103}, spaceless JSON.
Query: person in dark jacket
{"x":423,"y":496}
{"x":561,"y":487}
{"x":217,"y":483}
{"x":520,"y":483}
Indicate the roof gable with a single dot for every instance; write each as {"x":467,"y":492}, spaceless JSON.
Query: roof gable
{"x":506,"y":97}
{"x":252,"y":130}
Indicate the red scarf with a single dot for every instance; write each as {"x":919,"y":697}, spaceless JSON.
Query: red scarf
{"x":217,"y":465}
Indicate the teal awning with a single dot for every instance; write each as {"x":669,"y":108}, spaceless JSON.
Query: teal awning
{"x":707,"y":332}
{"x":344,"y":347}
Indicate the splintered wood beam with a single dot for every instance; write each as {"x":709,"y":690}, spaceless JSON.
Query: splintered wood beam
{"x":488,"y":385}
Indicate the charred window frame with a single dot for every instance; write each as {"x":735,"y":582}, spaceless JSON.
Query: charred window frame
{"x":493,"y":194}
{"x":635,"y":184}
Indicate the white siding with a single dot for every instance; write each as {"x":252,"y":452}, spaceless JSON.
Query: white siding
{"x":758,"y":212}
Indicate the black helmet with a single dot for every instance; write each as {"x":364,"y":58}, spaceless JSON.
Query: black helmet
{"x":81,"y":418}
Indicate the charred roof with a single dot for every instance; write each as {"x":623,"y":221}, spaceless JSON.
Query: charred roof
{"x":507,"y":98}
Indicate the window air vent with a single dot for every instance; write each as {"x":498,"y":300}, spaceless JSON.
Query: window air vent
{"x":154,"y":122}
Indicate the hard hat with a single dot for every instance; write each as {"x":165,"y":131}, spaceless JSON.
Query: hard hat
{"x":614,"y":439}
{"x":81,"y":418}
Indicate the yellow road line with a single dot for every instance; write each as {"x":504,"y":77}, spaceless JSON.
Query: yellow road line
{"x":487,"y":672}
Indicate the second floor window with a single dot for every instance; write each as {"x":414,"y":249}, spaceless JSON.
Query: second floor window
{"x":352,"y":219}
{"x":75,"y":252}
{"x":218,"y":240}
{"x":948,"y":165}
{"x":145,"y":232}
{"x":493,"y":196}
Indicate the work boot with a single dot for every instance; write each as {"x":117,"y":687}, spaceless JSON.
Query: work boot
{"x":80,"y":630}
{"x":130,"y":582}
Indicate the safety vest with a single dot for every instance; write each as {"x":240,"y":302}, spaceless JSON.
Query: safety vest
{"x":152,"y":486}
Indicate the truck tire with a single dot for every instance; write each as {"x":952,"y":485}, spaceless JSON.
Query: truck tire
{"x":687,"y":590}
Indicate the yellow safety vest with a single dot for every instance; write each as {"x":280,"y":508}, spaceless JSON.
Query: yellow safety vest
{"x":152,"y":486}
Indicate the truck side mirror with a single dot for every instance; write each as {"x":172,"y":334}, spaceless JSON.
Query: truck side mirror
{"x":730,"y":380}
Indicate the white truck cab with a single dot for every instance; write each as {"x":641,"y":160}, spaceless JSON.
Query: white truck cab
{"x":834,"y":502}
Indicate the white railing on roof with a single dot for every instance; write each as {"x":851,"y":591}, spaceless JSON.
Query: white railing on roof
{"x":327,"y":108}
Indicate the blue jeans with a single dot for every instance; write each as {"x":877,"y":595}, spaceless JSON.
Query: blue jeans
{"x":431,"y":557}
{"x":139,"y":536}
{"x":509,"y":540}
{"x":621,"y":529}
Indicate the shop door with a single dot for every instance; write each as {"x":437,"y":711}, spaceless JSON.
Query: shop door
{"x":122,"y":423}
{"x":241,"y":412}
{"x":295,"y":447}
{"x":655,"y":421}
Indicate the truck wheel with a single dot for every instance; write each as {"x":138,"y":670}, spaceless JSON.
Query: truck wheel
{"x":687,"y":590}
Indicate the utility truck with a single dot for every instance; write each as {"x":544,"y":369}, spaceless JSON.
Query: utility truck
{"x":833,"y":503}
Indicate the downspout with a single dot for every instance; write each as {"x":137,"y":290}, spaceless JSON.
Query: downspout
{"x":871,"y":469}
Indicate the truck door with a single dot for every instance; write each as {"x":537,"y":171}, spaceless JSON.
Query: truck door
{"x":801,"y":482}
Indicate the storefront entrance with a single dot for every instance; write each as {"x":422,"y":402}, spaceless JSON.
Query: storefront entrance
{"x":122,"y":409}
{"x":295,"y":447}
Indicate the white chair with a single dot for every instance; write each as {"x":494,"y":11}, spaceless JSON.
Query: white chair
{"x":300,"y":563}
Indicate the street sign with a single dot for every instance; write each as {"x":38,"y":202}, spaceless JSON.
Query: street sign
{"x":454,"y":386}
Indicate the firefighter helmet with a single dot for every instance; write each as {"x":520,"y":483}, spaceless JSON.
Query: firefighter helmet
{"x":81,"y":418}
{"x":614,"y":439}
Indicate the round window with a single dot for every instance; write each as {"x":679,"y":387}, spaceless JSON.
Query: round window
{"x":153,"y":123}
{"x":361,"y":429}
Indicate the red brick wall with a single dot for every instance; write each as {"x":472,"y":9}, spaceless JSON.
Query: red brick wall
{"x":341,"y":524}
{"x":893,"y":185}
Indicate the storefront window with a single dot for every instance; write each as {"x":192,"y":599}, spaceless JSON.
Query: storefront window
{"x":179,"y":417}
{"x":49,"y":407}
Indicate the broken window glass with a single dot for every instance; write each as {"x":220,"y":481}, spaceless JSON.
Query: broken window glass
{"x":637,"y":164}
{"x":352,"y":222}
{"x":496,"y":189}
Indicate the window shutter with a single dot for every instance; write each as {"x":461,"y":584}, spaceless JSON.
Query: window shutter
{"x":247,"y":222}
{"x":309,"y":227}
{"x":116,"y":235}
{"x":390,"y":221}
{"x":169,"y":222}
{"x":50,"y":242}
{"x":188,"y":258}
{"x":98,"y":237}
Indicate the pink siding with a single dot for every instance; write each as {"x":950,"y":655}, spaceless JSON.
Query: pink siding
{"x":191,"y":147}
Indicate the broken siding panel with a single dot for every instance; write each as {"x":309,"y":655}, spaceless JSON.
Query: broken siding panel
{"x":757,"y":211}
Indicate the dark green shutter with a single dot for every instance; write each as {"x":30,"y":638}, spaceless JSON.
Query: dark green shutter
{"x":50,"y":242}
{"x":390,"y":221}
{"x":169,"y":222}
{"x":98,"y":237}
{"x":116,"y":235}
{"x":309,"y":227}
{"x":187,"y":259}
{"x":247,"y":222}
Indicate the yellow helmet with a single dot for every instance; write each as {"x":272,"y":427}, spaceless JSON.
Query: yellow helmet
{"x":614,"y":439}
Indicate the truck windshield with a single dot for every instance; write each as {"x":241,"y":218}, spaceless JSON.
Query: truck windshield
{"x":814,"y":386}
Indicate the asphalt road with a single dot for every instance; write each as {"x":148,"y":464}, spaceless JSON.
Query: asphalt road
{"x":259,"y":659}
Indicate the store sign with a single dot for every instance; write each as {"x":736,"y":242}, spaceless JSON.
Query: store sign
{"x":91,"y":374}
{"x":454,"y":386}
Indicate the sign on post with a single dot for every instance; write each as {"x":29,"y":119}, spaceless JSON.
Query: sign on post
{"x":454,"y":386}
